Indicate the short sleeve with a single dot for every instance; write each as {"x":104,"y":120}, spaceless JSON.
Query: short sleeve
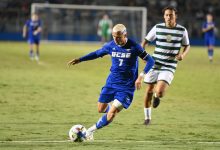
{"x":151,"y":36}
{"x":27,"y":23}
{"x":185,"y":40}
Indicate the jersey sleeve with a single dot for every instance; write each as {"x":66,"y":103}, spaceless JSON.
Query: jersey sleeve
{"x":151,"y":36}
{"x":145,"y":56}
{"x":40,"y":23}
{"x":27,"y":23}
{"x":96,"y":54}
{"x":139,"y":49}
{"x":185,"y":40}
{"x":204,"y":25}
{"x":102,"y":52}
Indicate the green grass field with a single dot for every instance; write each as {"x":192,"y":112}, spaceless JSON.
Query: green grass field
{"x":40,"y":102}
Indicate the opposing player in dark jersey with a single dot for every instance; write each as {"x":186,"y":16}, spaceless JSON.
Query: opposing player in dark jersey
{"x":209,"y":35}
{"x":121,"y":82}
{"x":32,"y":30}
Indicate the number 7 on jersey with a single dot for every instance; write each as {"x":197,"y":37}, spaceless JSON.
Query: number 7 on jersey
{"x":121,"y":62}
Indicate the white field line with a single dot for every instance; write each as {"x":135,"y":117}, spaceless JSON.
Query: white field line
{"x":126,"y":141}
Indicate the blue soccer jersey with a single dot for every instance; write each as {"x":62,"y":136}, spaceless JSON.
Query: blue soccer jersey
{"x":33,"y":26}
{"x":124,"y":69}
{"x":120,"y":83}
{"x":209,"y":35}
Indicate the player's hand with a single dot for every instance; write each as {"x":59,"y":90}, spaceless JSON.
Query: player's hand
{"x":179,"y":57}
{"x":73,"y":62}
{"x":35,"y":32}
{"x":24,"y":35}
{"x":210,"y":27}
{"x":138,"y":83}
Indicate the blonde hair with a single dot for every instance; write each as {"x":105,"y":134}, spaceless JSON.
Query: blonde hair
{"x":120,"y":28}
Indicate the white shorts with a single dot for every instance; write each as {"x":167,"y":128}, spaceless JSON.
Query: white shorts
{"x":156,"y":75}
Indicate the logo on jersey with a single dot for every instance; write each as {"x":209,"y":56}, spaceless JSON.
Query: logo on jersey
{"x":121,"y":55}
{"x":169,"y":38}
{"x":128,"y":99}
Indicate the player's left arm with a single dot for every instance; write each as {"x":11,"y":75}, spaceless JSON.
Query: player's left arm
{"x":209,"y":27}
{"x":93,"y":55}
{"x":39,"y":29}
{"x":25,"y":29}
{"x":186,"y":45}
{"x":150,"y":63}
{"x":181,"y":55}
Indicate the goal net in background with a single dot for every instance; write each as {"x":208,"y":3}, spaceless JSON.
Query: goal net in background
{"x":80,"y":22}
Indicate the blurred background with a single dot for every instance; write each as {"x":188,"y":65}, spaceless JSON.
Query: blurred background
{"x":62,"y":24}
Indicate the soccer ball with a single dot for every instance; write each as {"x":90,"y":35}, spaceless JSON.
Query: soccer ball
{"x":77,"y":133}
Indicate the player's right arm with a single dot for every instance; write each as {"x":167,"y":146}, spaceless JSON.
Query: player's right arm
{"x":150,"y":63}
{"x":144,"y":43}
{"x":150,"y":37}
{"x":90,"y":56}
{"x":207,"y":28}
{"x":24,"y":31}
{"x":25,"y":28}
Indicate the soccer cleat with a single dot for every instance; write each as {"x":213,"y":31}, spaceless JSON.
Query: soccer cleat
{"x":36,"y":58}
{"x":147,"y":122}
{"x":156,"y":102}
{"x":89,"y":136}
{"x":31,"y":58}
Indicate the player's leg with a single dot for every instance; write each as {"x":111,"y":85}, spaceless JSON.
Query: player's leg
{"x":210,"y":52}
{"x":105,"y":119}
{"x":209,"y":42}
{"x":106,"y":96}
{"x":147,"y":103}
{"x":110,"y":115}
{"x":164,"y":80}
{"x":37,"y":43}
{"x":122,"y":100}
{"x":103,"y":107}
{"x":31,"y":46}
{"x":103,"y":37}
{"x":160,"y":89}
{"x":159,"y":92}
{"x":150,"y":78}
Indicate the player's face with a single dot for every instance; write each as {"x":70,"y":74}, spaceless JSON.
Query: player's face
{"x":34,"y":17}
{"x":170,"y":18}
{"x":209,"y":18}
{"x":119,"y":38}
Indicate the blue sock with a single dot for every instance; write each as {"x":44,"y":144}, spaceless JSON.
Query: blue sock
{"x":38,"y":53}
{"x":108,"y":108}
{"x":31,"y":53}
{"x":102,"y":122}
{"x":210,"y":52}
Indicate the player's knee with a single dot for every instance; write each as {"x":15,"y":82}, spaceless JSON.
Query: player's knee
{"x":150,"y":89}
{"x":160,"y":93}
{"x":100,"y":110}
{"x":150,"y":92}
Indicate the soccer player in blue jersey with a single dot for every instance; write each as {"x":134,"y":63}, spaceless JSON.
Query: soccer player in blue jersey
{"x":32,"y":29}
{"x":209,"y":35}
{"x":120,"y":84}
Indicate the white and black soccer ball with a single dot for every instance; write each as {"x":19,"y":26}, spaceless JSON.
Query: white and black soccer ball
{"x":77,"y":133}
